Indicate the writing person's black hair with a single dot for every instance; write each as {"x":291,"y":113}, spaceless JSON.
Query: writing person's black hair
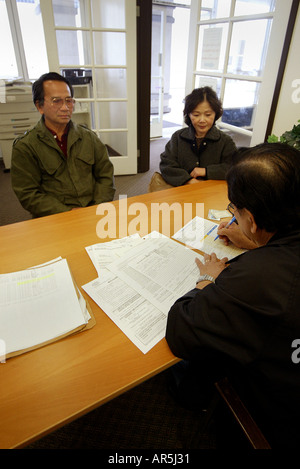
{"x":265,"y":179}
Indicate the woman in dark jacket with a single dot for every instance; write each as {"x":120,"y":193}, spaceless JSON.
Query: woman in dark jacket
{"x":201,"y":150}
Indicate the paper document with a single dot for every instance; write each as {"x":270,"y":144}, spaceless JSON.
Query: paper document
{"x":200,"y":234}
{"x":38,"y":305}
{"x":102,"y":254}
{"x":139,"y":320}
{"x":160,"y":269}
{"x":138,"y":288}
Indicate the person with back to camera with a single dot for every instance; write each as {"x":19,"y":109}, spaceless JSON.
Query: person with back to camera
{"x":58,"y":165}
{"x":243,"y":317}
{"x":199,"y":151}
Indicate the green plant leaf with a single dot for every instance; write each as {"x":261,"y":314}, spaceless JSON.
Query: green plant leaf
{"x":272,"y":139}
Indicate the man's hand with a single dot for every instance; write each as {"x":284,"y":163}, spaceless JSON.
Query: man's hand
{"x":234,"y":235}
{"x":211,"y":266}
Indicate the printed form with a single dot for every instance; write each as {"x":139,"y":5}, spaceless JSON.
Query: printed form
{"x":141,"y":278}
{"x":102,"y":254}
{"x":137,"y":289}
{"x":200,"y":234}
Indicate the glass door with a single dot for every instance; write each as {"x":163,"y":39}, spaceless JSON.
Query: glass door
{"x":23,"y":50}
{"x":157,"y":71}
{"x":234,"y":48}
{"x":93,"y":43}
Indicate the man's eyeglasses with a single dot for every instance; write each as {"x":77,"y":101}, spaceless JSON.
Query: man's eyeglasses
{"x":59,"y":102}
{"x":231,"y":208}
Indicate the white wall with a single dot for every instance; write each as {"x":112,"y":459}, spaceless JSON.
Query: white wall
{"x":288,"y":108}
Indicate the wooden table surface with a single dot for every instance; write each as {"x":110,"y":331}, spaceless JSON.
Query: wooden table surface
{"x":44,"y":389}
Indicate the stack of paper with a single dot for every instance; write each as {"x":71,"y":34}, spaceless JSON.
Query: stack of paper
{"x":139,"y":280}
{"x":40,"y":305}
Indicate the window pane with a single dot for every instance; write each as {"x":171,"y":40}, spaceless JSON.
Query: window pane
{"x":108,"y":14}
{"x":70,"y":13}
{"x":112,"y":115}
{"x":73,"y":47}
{"x":240,"y":100}
{"x":8,"y":63}
{"x":211,"y":47}
{"x":155,"y":100}
{"x":215,"y":9}
{"x":213,"y":82}
{"x":111,"y":83}
{"x":83,"y":113}
{"x":33,"y":38}
{"x":249,"y":46}
{"x":116,"y":142}
{"x":110,"y":48}
{"x":252,"y":7}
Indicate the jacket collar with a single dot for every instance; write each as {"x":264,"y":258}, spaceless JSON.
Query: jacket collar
{"x":279,"y":238}
{"x":213,"y":134}
{"x":285,"y":236}
{"x":74,"y":132}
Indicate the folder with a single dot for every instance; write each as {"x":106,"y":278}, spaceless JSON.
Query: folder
{"x":39,"y":306}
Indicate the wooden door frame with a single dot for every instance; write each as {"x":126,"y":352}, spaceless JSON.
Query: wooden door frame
{"x":144,"y":36}
{"x":283,"y":60}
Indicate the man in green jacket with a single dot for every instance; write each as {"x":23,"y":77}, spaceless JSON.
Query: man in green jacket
{"x":59,"y":165}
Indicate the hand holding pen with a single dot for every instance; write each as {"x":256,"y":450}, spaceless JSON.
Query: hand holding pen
{"x":228,"y":224}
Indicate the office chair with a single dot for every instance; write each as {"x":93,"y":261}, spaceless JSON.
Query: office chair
{"x":233,"y":422}
{"x":241,"y":415}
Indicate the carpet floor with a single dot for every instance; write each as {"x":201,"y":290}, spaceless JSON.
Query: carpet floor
{"x":144,"y":418}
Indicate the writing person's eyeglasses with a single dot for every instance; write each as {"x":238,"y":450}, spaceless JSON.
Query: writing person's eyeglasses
{"x":59,"y":102}
{"x":231,"y":208}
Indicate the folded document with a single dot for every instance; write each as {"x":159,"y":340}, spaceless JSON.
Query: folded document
{"x":40,"y":305}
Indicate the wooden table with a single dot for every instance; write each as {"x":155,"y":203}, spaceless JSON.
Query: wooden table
{"x":44,"y":389}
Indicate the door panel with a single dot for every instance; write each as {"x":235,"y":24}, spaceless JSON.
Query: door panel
{"x":157,"y":71}
{"x":96,"y":48}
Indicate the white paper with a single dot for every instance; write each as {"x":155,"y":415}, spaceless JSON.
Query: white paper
{"x":37,"y":305}
{"x":160,"y":269}
{"x":138,"y":319}
{"x":200,"y":234}
{"x":142,"y":285}
{"x":102,"y":254}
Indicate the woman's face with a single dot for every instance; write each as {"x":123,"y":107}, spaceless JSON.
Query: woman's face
{"x":202,"y":118}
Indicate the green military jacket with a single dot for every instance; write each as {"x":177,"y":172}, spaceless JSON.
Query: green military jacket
{"x":46,"y":182}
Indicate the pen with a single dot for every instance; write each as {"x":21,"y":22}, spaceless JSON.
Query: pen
{"x":212,"y":229}
{"x":228,"y":224}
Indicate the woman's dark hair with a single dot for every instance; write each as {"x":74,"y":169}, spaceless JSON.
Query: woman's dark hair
{"x":265,"y":179}
{"x":38,"y":86}
{"x":197,"y":96}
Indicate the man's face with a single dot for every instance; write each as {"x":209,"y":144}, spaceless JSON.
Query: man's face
{"x":58,"y":105}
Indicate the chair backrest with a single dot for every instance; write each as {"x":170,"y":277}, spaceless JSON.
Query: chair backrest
{"x":157,"y":183}
{"x":242,"y":416}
